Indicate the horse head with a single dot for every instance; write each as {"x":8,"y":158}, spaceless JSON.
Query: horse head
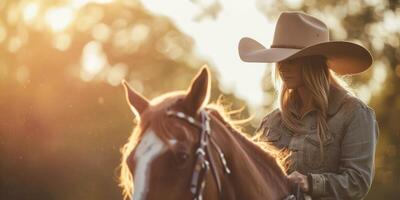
{"x":179,"y":150}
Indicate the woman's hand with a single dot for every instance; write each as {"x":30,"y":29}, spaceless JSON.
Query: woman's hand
{"x":298,"y":178}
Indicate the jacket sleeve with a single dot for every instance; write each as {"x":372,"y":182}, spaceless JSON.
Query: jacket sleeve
{"x":356,"y":168}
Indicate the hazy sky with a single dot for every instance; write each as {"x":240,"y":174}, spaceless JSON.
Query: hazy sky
{"x":217,"y":39}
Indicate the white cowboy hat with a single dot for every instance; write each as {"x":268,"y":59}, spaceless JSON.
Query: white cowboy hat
{"x":297,"y":35}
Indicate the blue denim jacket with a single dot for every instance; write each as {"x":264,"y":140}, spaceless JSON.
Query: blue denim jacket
{"x":347,"y":170}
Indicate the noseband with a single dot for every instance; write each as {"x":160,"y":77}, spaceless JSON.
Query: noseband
{"x":204,"y":158}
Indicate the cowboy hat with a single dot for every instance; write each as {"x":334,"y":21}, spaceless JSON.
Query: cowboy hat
{"x":297,"y":35}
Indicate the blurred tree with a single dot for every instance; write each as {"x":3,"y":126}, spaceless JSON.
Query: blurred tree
{"x":63,"y":114}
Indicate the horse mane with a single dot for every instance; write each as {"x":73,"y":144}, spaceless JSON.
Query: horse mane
{"x":254,"y":145}
{"x":267,"y":159}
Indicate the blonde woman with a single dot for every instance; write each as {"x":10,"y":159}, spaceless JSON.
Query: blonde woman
{"x":331,"y":134}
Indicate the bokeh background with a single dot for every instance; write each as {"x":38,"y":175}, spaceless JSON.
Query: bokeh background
{"x":63,"y":116}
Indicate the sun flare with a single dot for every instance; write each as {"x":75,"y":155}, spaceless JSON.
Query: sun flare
{"x":30,"y":11}
{"x":58,"y":19}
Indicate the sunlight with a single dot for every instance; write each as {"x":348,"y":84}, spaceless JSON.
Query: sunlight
{"x":391,"y":21}
{"x":116,"y":74}
{"x":3,"y":34}
{"x":379,"y":75}
{"x":59,"y":18}
{"x":140,"y":33}
{"x":101,"y":32}
{"x":80,"y":3}
{"x":169,"y":45}
{"x":294,"y":4}
{"x":62,"y":41}
{"x":375,"y":84}
{"x":364,"y":93}
{"x":93,"y":60}
{"x":217,"y":41}
{"x":30,"y":12}
{"x":22,"y":74}
{"x":14,"y":44}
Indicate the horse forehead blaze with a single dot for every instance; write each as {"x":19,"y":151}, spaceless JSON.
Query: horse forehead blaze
{"x":148,"y":149}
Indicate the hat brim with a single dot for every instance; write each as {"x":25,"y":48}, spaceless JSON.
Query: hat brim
{"x":342,"y":57}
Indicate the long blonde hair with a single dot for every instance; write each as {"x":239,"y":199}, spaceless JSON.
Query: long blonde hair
{"x":318,"y":78}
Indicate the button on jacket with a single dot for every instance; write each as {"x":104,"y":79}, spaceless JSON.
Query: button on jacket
{"x":347,"y":170}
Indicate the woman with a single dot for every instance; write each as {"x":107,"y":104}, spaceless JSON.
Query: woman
{"x":331,"y":134}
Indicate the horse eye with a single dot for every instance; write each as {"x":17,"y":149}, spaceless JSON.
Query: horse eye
{"x":181,"y":159}
{"x":182,"y":156}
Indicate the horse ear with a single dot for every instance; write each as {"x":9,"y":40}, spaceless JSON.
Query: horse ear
{"x":198,"y":93}
{"x":137,"y":102}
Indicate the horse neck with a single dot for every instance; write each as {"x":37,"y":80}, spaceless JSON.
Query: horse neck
{"x":255,"y":173}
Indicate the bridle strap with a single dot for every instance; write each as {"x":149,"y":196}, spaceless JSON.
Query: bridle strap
{"x":211,"y":157}
{"x":204,"y":157}
{"x":203,"y":151}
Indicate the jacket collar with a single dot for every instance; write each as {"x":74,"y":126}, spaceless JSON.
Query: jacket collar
{"x":336,"y":98}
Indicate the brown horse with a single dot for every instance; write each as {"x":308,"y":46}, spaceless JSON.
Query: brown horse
{"x":183,"y":149}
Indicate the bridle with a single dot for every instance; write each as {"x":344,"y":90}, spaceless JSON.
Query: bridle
{"x":204,"y":158}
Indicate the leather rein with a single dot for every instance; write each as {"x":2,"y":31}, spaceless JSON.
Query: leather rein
{"x":204,"y":158}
